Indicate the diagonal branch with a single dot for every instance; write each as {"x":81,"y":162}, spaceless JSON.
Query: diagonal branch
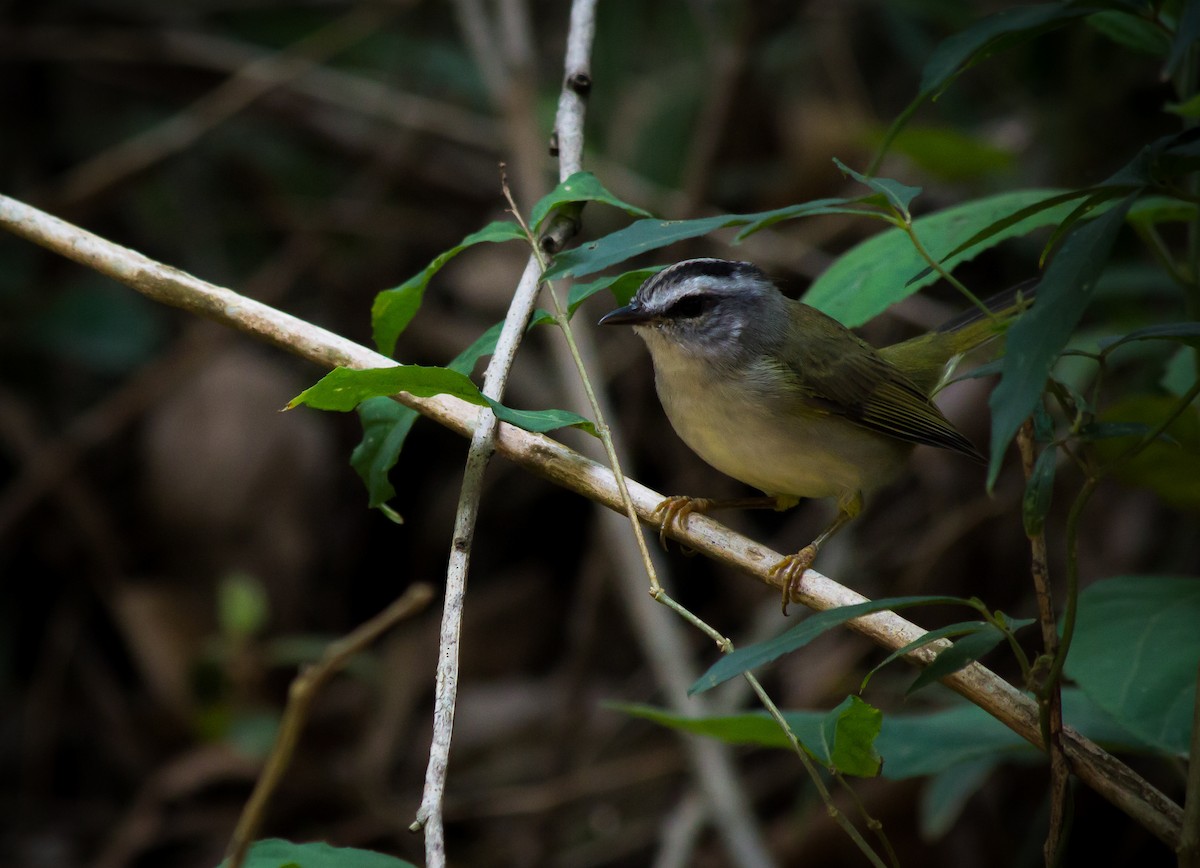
{"x":551,"y":460}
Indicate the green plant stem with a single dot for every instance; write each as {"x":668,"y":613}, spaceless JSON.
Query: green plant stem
{"x":911,"y":232}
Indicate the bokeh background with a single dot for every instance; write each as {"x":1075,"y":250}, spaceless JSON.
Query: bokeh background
{"x":172,"y":545}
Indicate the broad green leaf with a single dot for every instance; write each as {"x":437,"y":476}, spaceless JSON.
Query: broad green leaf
{"x":871,"y":276}
{"x":898,"y":195}
{"x":643,"y":236}
{"x":966,"y":650}
{"x":277,"y":853}
{"x":848,"y":736}
{"x":1136,"y":651}
{"x":1039,"y":490}
{"x":753,"y":656}
{"x":343,"y":389}
{"x":945,"y":795}
{"x":394,"y":309}
{"x":1035,"y":340}
{"x":580,"y":187}
{"x":622,"y":286}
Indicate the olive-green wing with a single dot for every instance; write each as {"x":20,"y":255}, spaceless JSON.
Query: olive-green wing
{"x":842,"y":374}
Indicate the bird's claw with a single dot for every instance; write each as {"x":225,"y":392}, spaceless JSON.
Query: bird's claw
{"x":790,"y":571}
{"x":675,"y":511}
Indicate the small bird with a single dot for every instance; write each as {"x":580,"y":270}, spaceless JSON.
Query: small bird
{"x":782,"y":397}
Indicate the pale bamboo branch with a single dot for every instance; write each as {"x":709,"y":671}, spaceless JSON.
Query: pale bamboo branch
{"x":553,"y":461}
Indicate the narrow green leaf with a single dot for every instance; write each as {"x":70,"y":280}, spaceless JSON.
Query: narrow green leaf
{"x":899,"y":195}
{"x":1039,"y":490}
{"x":1183,"y":332}
{"x":1136,"y":651}
{"x":990,"y":35}
{"x":1187,"y":31}
{"x":1152,"y":210}
{"x":394,"y":309}
{"x":752,"y":656}
{"x":643,"y":236}
{"x":959,"y":629}
{"x":580,"y":187}
{"x":1035,"y":340}
{"x":868,"y":278}
{"x":963,"y":652}
{"x":622,"y":286}
{"x":849,"y":733}
{"x":343,"y":389}
{"x":1132,"y":31}
{"x":385,"y":425}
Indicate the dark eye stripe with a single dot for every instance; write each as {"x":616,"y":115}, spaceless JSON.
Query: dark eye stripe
{"x":691,"y":306}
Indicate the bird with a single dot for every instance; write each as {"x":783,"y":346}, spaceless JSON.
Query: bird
{"x":784,"y":398}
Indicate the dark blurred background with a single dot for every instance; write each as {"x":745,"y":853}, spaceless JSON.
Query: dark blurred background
{"x":172,"y":546}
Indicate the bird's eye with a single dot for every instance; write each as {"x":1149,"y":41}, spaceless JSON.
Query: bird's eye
{"x":691,"y":306}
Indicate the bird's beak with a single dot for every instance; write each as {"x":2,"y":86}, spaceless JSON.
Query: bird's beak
{"x":630,"y":314}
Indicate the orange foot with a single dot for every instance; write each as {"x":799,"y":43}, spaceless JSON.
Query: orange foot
{"x":790,"y":571}
{"x":675,"y":511}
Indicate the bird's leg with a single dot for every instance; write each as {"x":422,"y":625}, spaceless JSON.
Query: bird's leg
{"x":675,"y":510}
{"x":791,"y":569}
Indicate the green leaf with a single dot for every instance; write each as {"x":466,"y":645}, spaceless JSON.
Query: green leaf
{"x":869,"y":277}
{"x":963,"y":652}
{"x":394,"y":309}
{"x":1170,"y":465}
{"x":580,"y":187}
{"x":343,"y":389}
{"x":912,"y":745}
{"x":385,"y":425}
{"x":1187,"y":31}
{"x":622,"y":286}
{"x":1035,"y":340}
{"x":991,"y":35}
{"x":643,"y":236}
{"x":277,"y":853}
{"x":1183,"y":332}
{"x":752,"y":656}
{"x":1136,"y":651}
{"x":848,"y":737}
{"x":1039,"y":490}
{"x":1189,"y":108}
{"x":958,"y":629}
{"x":899,"y":195}
{"x":1131,"y":31}
{"x":950,"y":153}
{"x":945,"y":796}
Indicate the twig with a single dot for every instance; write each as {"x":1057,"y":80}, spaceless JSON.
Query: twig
{"x":300,"y":695}
{"x":1049,"y":692}
{"x":1189,"y":840}
{"x":549,"y":459}
{"x":227,"y":99}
